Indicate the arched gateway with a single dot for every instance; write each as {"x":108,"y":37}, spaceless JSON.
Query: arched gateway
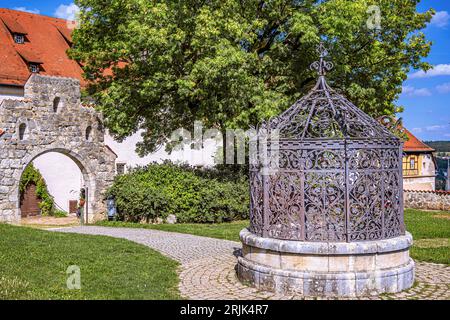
{"x":51,"y":118}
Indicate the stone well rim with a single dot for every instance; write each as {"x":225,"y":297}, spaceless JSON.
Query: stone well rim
{"x":324,"y":275}
{"x":399,"y":243}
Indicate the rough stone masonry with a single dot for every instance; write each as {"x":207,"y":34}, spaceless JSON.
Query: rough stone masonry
{"x":427,"y":200}
{"x":51,"y":118}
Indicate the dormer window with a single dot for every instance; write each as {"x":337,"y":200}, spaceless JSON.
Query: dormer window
{"x":18,"y":32}
{"x":34,"y":68}
{"x":33,"y":62}
{"x":19,"y":38}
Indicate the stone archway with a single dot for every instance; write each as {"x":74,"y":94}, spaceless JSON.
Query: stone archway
{"x":33,"y":126}
{"x":83,"y":164}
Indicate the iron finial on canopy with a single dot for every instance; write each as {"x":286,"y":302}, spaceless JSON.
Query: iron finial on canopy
{"x":322,"y":66}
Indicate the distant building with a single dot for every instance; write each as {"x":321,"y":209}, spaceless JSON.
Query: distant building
{"x":419,"y":165}
{"x":447,"y":176}
{"x":443,"y":164}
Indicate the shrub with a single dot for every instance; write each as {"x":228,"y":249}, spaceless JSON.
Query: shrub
{"x":59,"y":214}
{"x":191,"y":194}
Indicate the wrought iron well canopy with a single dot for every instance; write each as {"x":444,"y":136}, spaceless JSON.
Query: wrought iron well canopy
{"x":338,"y":176}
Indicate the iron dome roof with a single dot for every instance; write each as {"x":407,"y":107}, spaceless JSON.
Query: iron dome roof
{"x":325,"y":114}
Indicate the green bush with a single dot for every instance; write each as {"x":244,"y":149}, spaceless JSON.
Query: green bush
{"x":59,"y":214}
{"x":191,"y":194}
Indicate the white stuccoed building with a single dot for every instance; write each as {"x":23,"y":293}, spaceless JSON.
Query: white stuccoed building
{"x":128,"y":158}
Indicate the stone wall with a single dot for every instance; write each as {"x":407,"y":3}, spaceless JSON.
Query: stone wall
{"x":427,"y":200}
{"x":51,"y":118}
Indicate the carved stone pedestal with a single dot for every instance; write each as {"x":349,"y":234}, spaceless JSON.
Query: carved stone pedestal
{"x":326,"y":269}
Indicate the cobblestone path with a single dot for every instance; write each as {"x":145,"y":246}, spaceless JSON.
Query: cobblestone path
{"x":207,"y":266}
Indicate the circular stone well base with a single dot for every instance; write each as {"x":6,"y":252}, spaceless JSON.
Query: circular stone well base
{"x":326,"y":269}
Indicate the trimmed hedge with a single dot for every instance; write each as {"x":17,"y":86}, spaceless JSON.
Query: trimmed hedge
{"x":192,"y":195}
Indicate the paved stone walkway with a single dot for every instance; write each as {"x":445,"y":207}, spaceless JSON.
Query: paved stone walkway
{"x":207,"y":266}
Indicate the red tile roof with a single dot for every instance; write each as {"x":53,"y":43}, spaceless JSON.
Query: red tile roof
{"x":415,"y":145}
{"x":66,"y":33}
{"x":13,"y":25}
{"x":29,"y":55}
{"x":47,"y":40}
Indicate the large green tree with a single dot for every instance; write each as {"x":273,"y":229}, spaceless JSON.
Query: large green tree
{"x":232,"y":63}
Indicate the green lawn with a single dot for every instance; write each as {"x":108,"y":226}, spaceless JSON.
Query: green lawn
{"x":33,"y":262}
{"x":431,"y":232}
{"x":33,"y":265}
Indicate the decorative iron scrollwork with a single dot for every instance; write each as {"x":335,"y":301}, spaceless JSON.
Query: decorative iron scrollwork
{"x":338,"y":173}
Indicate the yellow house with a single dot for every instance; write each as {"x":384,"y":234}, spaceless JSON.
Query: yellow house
{"x":419,"y":165}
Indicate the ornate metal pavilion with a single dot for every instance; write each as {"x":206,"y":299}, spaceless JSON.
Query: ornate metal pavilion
{"x":338,"y":175}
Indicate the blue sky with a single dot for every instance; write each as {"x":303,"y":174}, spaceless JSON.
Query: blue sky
{"x":426,"y":97}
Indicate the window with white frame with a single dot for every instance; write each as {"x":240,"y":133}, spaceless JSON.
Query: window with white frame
{"x":120,"y":168}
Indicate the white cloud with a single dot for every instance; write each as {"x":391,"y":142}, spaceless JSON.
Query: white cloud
{"x":429,"y":128}
{"x":415,"y":92}
{"x":67,"y":12}
{"x":440,"y":19}
{"x":27,"y":10}
{"x":438,"y":70}
{"x":434,"y":128}
{"x":443,"y":88}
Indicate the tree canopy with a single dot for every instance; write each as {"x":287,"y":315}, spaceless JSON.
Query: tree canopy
{"x":232,"y":63}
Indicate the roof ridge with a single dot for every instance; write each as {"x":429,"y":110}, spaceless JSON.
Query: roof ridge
{"x":442,"y":192}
